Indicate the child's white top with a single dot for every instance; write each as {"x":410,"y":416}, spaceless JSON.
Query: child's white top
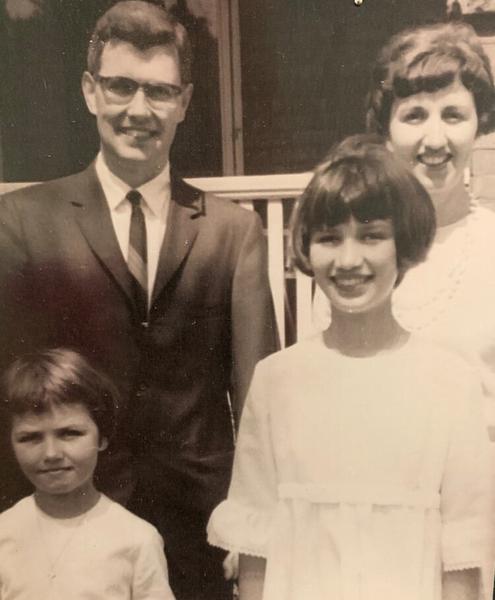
{"x":358,"y":478}
{"x":108,"y":554}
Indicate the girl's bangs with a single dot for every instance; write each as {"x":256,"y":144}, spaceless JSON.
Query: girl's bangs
{"x":38,"y":402}
{"x":35,"y":391}
{"x":359,"y":194}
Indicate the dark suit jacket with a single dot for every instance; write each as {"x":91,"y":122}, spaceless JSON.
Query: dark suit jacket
{"x":64,"y":282}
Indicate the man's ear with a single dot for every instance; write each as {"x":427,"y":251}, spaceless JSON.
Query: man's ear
{"x":103,"y":443}
{"x":88,"y":85}
{"x":186,"y":99}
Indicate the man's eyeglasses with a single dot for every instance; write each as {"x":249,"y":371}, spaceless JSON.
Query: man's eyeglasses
{"x":121,"y":90}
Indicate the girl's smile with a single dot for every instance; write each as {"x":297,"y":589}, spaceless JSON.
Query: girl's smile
{"x":350,"y":284}
{"x":355,"y":263}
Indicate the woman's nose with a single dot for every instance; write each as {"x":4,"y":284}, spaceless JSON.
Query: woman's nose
{"x":350,"y":254}
{"x":434,"y":134}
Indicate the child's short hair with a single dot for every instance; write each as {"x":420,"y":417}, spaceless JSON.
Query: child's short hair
{"x":360,"y":178}
{"x":37,"y":381}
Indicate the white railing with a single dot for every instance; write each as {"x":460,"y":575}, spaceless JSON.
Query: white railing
{"x":269,"y":194}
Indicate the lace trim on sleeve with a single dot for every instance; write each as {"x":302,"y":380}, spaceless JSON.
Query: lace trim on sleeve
{"x":239,"y":528}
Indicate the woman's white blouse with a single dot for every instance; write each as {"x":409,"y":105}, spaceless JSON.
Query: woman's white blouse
{"x":360,"y":478}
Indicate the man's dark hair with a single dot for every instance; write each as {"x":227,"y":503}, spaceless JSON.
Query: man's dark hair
{"x":144,"y":25}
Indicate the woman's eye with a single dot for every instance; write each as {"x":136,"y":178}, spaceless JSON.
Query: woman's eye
{"x":453,"y":116}
{"x":413,"y":116}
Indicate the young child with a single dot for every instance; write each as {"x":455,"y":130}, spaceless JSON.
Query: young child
{"x":362,"y":467}
{"x":67,"y":541}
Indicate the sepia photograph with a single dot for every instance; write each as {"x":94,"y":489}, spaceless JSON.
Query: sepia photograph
{"x":247,"y":299}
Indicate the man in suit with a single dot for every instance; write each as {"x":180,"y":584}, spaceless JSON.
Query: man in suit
{"x":165,"y":291}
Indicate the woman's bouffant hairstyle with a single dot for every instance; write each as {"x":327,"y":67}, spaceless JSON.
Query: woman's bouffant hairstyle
{"x":36,"y":382}
{"x":428,"y":59}
{"x":143,"y":25}
{"x":360,"y":178}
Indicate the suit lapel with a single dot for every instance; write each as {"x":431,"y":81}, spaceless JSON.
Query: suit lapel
{"x":93,"y":215}
{"x":183,"y":219}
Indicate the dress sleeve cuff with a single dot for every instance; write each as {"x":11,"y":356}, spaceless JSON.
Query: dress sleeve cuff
{"x":465,"y":544}
{"x":239,"y":528}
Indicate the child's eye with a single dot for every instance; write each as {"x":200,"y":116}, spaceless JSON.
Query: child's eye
{"x":373,"y":236}
{"x":71,"y":433}
{"x":326,"y":238}
{"x":26,"y":438}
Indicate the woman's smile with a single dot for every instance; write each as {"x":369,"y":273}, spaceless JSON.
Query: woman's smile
{"x":435,"y":132}
{"x":435,"y":160}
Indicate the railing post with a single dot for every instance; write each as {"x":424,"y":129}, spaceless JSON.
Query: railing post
{"x":276,"y":261}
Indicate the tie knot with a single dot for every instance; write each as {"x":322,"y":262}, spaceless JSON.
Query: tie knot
{"x":134,"y":197}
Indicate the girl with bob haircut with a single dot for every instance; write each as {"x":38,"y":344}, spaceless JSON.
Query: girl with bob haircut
{"x":362,"y":459}
{"x":358,"y":179}
{"x":67,"y":540}
{"x":431,"y":95}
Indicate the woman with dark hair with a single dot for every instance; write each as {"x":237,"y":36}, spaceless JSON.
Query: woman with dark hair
{"x":360,"y":468}
{"x":432,"y":95}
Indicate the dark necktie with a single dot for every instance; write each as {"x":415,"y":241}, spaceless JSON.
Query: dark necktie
{"x":137,"y":259}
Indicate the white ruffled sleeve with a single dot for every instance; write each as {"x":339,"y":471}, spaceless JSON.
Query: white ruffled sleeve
{"x":467,"y":505}
{"x":242,"y":523}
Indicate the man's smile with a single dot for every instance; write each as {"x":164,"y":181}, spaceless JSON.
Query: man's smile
{"x":137,"y":133}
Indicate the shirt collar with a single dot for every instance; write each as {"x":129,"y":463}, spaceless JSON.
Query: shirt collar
{"x":156,"y":192}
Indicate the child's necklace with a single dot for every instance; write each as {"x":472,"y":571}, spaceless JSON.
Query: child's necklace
{"x":56,"y":538}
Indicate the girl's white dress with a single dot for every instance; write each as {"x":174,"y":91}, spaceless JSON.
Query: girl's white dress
{"x":107,"y":554}
{"x":360,"y":478}
{"x":450,"y":298}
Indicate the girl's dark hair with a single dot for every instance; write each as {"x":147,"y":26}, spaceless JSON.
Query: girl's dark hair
{"x":360,"y":178}
{"x":36,"y":382}
{"x":427,"y":59}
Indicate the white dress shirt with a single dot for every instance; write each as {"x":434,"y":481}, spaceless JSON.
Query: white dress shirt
{"x":155,"y":204}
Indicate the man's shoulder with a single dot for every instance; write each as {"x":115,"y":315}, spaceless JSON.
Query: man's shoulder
{"x":207,"y":205}
{"x":53,"y":190}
